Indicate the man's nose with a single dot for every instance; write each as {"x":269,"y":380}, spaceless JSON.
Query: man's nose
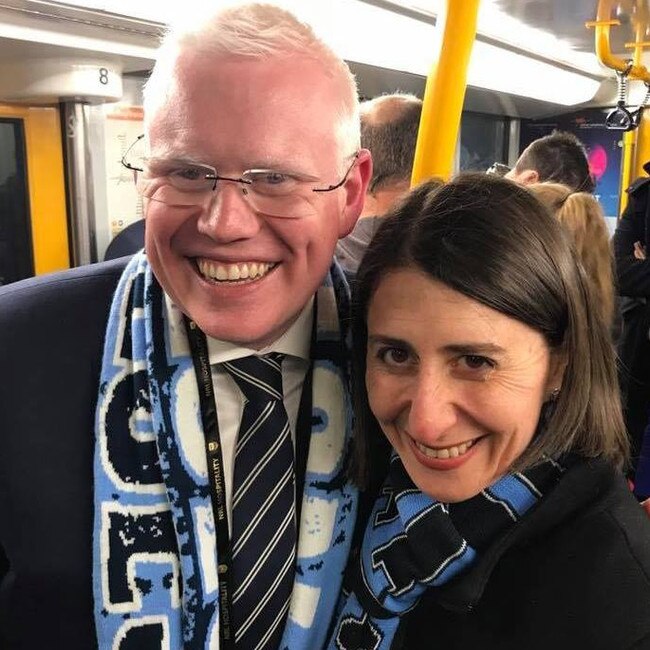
{"x":433,"y":408}
{"x":227,"y":215}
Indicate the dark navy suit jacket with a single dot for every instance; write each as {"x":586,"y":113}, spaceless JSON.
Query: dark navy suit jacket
{"x":51,"y":339}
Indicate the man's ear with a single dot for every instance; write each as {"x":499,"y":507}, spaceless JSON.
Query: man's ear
{"x":528,"y":177}
{"x":355,"y":191}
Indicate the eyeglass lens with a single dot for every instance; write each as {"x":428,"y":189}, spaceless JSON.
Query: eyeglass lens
{"x":296,"y":205}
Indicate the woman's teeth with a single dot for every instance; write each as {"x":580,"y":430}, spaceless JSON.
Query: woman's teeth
{"x":234,"y":272}
{"x":445,"y":452}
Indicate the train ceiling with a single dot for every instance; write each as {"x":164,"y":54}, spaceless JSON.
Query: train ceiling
{"x":548,"y":31}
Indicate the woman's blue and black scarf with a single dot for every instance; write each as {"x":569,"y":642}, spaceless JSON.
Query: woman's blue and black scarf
{"x":413,"y":543}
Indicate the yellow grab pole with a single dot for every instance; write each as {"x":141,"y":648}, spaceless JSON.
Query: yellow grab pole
{"x":445,"y":91}
{"x":627,"y":165}
{"x":630,"y":137}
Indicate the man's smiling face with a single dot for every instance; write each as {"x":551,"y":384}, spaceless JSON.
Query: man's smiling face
{"x":242,"y":275}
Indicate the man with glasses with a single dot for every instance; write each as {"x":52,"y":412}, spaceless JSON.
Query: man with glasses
{"x":175,"y":430}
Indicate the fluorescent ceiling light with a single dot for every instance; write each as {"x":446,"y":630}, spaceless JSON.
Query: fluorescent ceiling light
{"x":498,"y":24}
{"x":503,"y":27}
{"x":151,"y":10}
{"x":497,"y":69}
{"x":364,"y":33}
{"x":399,"y":42}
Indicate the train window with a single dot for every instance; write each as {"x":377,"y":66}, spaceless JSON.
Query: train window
{"x":16,"y":258}
{"x":483,"y":141}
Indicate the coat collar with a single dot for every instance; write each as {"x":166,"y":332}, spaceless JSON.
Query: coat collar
{"x":584,"y":482}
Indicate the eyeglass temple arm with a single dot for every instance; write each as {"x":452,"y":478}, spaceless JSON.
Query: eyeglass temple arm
{"x":126,"y":153}
{"x":340,"y":183}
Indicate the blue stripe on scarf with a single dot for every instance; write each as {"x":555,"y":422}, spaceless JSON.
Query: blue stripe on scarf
{"x":516,"y":493}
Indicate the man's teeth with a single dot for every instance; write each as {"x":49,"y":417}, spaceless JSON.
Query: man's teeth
{"x":230,"y":272}
{"x":446,"y":452}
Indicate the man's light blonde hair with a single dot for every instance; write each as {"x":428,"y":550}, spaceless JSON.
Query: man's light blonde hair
{"x":258,"y":31}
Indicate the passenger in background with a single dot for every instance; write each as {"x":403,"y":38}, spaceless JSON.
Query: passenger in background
{"x":389,"y":129}
{"x":559,"y":158}
{"x":504,"y":520}
{"x":631,"y":241}
{"x":583,"y":218}
{"x":174,"y":428}
{"x":128,"y":241}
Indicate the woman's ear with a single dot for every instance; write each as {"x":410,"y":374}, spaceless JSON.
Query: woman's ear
{"x":557,"y":365}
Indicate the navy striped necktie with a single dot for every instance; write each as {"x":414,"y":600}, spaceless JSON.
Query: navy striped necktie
{"x":263,"y":506}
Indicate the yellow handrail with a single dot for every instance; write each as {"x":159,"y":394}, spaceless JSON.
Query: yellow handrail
{"x":445,"y":92}
{"x":630,"y":138}
{"x":631,"y":68}
{"x":602,"y":25}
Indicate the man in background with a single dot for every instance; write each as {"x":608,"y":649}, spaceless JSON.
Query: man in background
{"x":558,"y":158}
{"x":389,"y":129}
{"x":631,"y":241}
{"x":128,"y":241}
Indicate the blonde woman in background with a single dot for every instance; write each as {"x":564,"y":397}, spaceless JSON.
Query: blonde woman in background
{"x":581,"y":215}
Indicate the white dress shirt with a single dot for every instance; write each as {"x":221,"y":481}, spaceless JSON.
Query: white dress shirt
{"x":295,"y":343}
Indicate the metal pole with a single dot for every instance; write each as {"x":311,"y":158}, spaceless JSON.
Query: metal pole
{"x":445,"y":91}
{"x":81,"y":218}
{"x":514,"y":135}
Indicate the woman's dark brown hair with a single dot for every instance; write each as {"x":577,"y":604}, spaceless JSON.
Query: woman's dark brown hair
{"x":492,"y":241}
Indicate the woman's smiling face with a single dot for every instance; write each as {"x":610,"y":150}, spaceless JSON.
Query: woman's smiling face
{"x":456,"y":386}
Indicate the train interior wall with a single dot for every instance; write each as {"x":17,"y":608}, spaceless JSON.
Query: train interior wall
{"x":486,"y":136}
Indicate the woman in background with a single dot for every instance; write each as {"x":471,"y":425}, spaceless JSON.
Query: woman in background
{"x":502,"y":519}
{"x":583,"y":218}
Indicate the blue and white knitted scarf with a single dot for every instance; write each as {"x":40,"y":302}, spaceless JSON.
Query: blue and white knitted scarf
{"x":413,"y":543}
{"x":154,"y":548}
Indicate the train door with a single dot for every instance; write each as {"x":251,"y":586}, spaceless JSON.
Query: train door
{"x":33,"y":221}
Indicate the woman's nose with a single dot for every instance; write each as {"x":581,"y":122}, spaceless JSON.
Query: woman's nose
{"x":432,"y":408}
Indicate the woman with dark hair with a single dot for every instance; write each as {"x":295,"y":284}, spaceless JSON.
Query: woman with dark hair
{"x":502,"y":519}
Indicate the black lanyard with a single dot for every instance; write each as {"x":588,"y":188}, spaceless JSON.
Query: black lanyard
{"x":200,"y":357}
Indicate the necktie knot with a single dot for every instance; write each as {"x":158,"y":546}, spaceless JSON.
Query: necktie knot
{"x":258,"y":378}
